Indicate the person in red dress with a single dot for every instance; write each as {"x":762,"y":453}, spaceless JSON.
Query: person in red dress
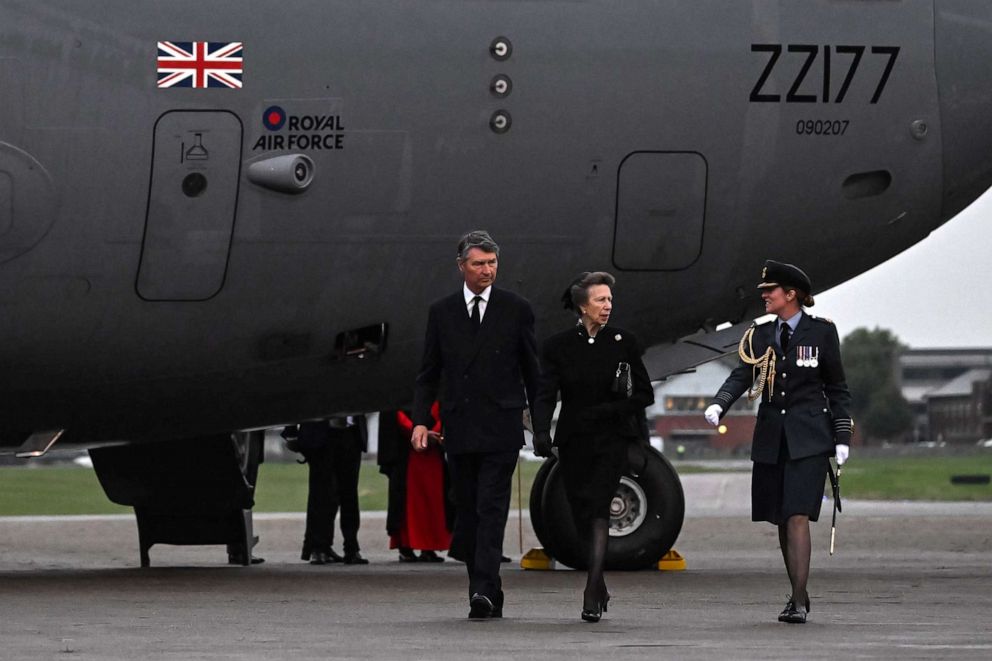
{"x":417,"y":516}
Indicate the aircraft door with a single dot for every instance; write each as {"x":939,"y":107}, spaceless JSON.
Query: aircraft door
{"x":661,"y":206}
{"x":192,"y":202}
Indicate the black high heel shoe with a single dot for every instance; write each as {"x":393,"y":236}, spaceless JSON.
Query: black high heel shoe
{"x":594,"y":615}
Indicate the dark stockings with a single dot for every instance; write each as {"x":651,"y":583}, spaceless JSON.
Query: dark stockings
{"x":794,"y":540}
{"x":595,"y":592}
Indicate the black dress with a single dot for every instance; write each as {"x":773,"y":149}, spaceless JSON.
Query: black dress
{"x":595,"y":424}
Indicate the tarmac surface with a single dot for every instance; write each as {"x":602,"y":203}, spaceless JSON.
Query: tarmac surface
{"x":908,"y":581}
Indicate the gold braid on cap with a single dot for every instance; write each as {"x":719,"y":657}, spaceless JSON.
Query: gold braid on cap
{"x":762,"y":369}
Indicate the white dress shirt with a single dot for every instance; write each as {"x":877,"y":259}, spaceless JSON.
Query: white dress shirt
{"x":469,"y":296}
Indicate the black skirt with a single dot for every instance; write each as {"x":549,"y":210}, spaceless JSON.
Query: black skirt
{"x":787,"y":488}
{"x":591,"y":467}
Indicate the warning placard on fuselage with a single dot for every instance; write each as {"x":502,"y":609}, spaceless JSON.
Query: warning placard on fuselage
{"x":307,"y":129}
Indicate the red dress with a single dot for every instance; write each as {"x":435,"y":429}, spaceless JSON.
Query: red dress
{"x":424,"y":525}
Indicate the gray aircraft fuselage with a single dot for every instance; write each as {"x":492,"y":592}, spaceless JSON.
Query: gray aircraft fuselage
{"x":163,"y":274}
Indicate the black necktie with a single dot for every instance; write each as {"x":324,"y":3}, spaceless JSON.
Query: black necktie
{"x":476,"y":313}
{"x":783,"y":339}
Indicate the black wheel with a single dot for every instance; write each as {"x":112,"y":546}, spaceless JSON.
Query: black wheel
{"x":645,"y":516}
{"x":536,"y":492}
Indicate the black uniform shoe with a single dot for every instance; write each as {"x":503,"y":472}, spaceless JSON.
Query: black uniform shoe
{"x":480,"y":607}
{"x":407,"y":555}
{"x":793,"y":613}
{"x":355,"y":559}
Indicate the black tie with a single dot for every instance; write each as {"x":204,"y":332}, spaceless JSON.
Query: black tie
{"x":783,"y":339}
{"x":476,"y":314}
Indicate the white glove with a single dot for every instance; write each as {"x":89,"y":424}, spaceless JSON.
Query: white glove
{"x":843,"y":452}
{"x":712,"y":414}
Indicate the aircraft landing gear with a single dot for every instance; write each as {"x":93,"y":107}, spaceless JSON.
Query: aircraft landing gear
{"x":645,"y":516}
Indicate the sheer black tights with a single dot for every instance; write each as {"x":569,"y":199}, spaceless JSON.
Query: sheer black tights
{"x":595,"y":591}
{"x":794,"y":540}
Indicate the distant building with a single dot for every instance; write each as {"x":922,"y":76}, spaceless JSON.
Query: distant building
{"x":677,"y":413}
{"x":961,"y":410}
{"x":944,"y":391}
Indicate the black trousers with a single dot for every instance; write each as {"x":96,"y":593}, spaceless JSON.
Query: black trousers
{"x":333,"y":485}
{"x":482,"y":483}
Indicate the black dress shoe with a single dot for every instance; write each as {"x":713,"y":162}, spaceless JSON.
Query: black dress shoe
{"x":305,"y":553}
{"x":430,"y":556}
{"x":497,"y":606}
{"x":505,"y":558}
{"x":321,"y":558}
{"x":407,"y":555}
{"x":238,"y":559}
{"x":480,"y":607}
{"x":355,"y":559}
{"x":794,"y":613}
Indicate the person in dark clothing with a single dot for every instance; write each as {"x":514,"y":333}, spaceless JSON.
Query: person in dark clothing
{"x":604,"y":389}
{"x":418,"y":514}
{"x":480,"y":361}
{"x":332,"y":449}
{"x":803,"y":417}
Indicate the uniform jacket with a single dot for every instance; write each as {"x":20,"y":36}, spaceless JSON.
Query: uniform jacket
{"x":584,"y":373}
{"x":810,"y":399}
{"x":483,"y":379}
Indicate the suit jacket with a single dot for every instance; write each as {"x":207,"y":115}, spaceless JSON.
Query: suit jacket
{"x":810,"y":401}
{"x":483,"y":378}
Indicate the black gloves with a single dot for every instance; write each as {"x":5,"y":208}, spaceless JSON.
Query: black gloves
{"x":542,"y":443}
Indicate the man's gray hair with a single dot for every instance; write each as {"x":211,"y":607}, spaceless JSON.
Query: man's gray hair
{"x":476,"y":239}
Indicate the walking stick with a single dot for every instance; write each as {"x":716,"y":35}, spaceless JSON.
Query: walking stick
{"x":835,"y":485}
{"x":520,"y":505}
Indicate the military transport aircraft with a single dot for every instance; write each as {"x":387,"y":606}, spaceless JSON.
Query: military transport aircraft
{"x":217,"y":217}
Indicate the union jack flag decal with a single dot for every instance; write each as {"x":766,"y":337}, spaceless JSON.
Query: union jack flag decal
{"x":200,"y":64}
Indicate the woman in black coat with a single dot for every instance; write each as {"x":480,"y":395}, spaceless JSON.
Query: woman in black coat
{"x":604,"y":389}
{"x":803,"y":418}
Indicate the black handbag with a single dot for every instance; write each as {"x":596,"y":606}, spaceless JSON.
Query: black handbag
{"x":622,"y":383}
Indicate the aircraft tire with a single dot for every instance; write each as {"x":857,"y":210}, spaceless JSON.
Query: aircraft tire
{"x":646,"y":516}
{"x":536,"y":493}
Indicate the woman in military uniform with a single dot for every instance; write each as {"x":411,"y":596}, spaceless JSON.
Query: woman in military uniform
{"x":604,"y":389}
{"x":793,"y":365}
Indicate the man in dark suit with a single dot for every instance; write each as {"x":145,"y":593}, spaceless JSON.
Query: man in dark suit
{"x":332,"y":449}
{"x":480,"y":361}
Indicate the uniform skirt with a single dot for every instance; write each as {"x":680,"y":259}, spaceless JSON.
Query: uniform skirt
{"x":789,"y":487}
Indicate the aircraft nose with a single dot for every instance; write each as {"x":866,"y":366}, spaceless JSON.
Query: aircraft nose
{"x":963,"y":58}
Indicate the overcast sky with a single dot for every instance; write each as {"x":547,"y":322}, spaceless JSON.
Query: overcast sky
{"x":936,"y":294}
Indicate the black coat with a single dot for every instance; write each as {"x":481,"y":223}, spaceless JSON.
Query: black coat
{"x":483,"y":378}
{"x":584,"y":374}
{"x":810,"y":401}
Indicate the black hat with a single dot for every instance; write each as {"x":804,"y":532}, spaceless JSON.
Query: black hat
{"x":777,"y":274}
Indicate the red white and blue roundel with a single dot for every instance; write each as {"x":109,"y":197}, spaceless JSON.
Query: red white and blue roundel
{"x":273,"y":118}
{"x":200,"y":64}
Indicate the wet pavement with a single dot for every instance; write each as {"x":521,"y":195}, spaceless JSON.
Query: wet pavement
{"x":908,"y":580}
